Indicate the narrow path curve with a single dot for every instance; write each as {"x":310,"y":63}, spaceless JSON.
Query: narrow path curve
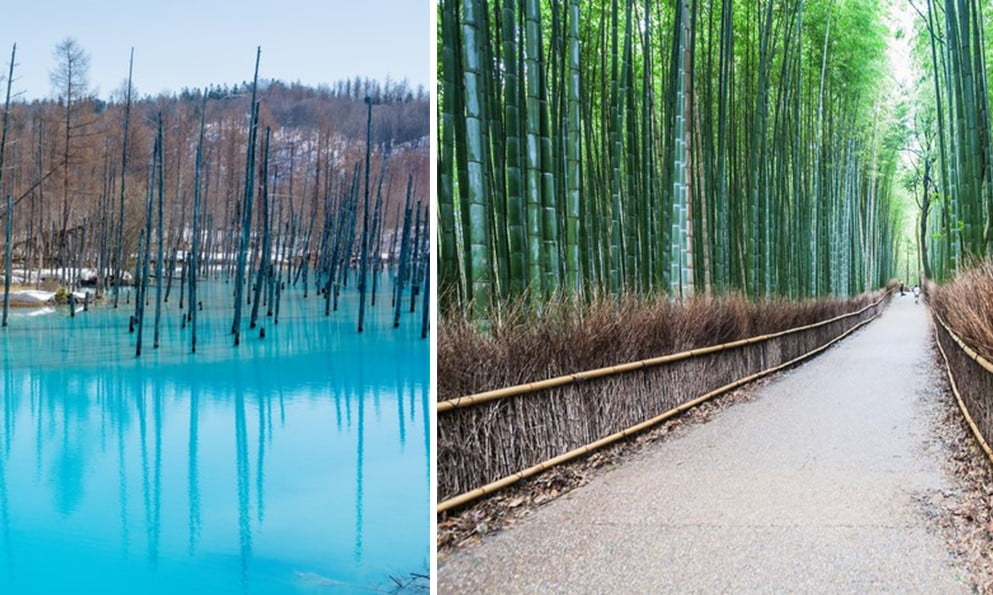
{"x":814,"y":485}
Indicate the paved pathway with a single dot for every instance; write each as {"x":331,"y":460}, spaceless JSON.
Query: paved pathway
{"x":809,"y":487}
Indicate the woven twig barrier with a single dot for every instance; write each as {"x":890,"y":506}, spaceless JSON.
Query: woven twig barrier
{"x":975,"y":383}
{"x":495,"y":438}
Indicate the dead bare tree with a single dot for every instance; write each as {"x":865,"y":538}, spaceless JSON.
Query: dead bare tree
{"x":69,"y":81}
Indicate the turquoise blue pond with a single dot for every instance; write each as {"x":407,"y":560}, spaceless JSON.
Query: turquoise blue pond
{"x":297,"y":463}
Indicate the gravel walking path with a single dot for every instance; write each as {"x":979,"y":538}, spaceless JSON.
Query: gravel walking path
{"x":815,"y":485}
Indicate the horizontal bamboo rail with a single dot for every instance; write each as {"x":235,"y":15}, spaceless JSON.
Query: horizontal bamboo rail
{"x":471,"y":495}
{"x":520,"y":389}
{"x":983,"y":362}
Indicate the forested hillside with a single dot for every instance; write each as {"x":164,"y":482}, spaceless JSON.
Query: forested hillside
{"x":64,"y":158}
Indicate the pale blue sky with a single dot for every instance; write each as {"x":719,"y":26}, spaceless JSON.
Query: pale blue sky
{"x":194,"y":43}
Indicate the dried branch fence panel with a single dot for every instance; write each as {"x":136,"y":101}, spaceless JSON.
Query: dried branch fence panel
{"x":490,"y":436}
{"x":971,"y":378}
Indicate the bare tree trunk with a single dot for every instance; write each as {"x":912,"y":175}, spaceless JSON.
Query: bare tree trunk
{"x":246,"y":225}
{"x":119,"y":261}
{"x":10,"y":204}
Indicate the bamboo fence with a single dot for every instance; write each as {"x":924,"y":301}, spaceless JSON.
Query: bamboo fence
{"x":495,"y":438}
{"x":975,"y":379}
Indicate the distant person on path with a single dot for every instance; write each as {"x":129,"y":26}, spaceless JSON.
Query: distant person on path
{"x":917,"y":294}
{"x":902,"y":287}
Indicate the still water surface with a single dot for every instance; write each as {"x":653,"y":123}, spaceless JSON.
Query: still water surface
{"x":293,"y":464}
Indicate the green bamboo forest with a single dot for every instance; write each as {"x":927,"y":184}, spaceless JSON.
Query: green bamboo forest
{"x":688,"y":147}
{"x":950,"y":140}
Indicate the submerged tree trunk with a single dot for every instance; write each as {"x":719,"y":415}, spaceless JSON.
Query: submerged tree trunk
{"x":159,"y":265}
{"x":246,"y":224}
{"x":195,"y":248}
{"x":365,"y":216}
{"x":119,"y":261}
{"x":7,"y":264}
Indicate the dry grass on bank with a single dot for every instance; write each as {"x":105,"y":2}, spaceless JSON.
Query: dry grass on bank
{"x":966,"y":304}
